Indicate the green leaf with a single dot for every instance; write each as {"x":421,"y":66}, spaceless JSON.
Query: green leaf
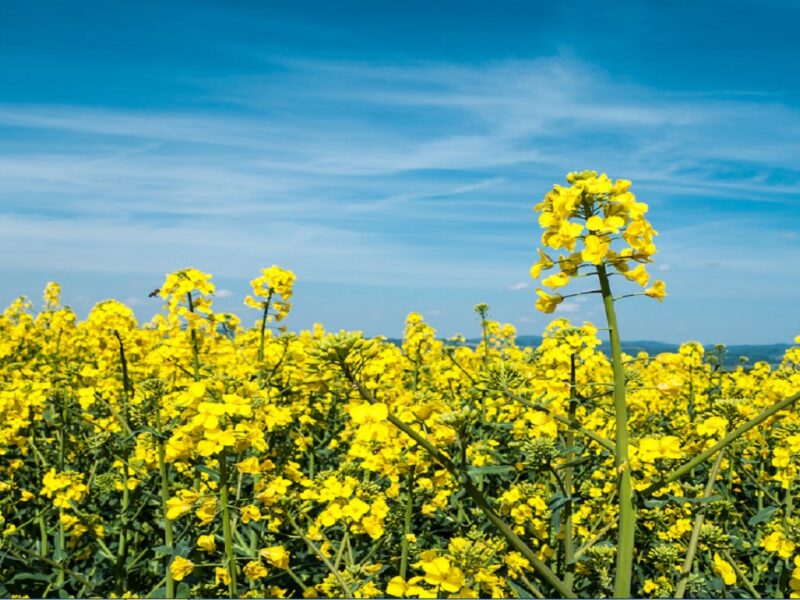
{"x":59,"y":554}
{"x":763,"y":515}
{"x":655,"y":503}
{"x":183,"y":590}
{"x":158,"y":593}
{"x":164,"y":551}
{"x":520,"y":591}
{"x":491,"y":470}
{"x":704,"y":500}
{"x":30,"y":577}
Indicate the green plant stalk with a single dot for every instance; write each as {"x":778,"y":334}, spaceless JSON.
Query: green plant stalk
{"x":691,"y":550}
{"x":195,"y":348}
{"x":230,"y":559}
{"x":168,"y":537}
{"x":676,"y":474}
{"x":338,"y":576}
{"x":43,"y":549}
{"x":569,"y":440}
{"x":542,"y":569}
{"x":531,"y":588}
{"x":261,"y":338}
{"x":62,"y":450}
{"x":407,"y":524}
{"x":741,"y":575}
{"x":627,"y":513}
{"x":122,"y":547}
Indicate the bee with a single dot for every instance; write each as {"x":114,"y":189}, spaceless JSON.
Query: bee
{"x":154,"y":293}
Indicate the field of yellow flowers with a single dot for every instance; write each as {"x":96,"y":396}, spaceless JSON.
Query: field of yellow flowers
{"x":192,"y":457}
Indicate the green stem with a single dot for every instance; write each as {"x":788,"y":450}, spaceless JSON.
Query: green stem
{"x":195,"y":348}
{"x":741,"y":575}
{"x":122,"y":547}
{"x":627,"y":513}
{"x":230,"y":559}
{"x":323,"y":558}
{"x":680,"y":589}
{"x":407,"y":523}
{"x":62,"y":450}
{"x":569,"y":439}
{"x":168,"y":538}
{"x":261,"y":337}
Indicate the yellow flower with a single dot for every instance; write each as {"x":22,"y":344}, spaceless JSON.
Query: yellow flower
{"x":207,"y":511}
{"x":658,"y":291}
{"x":778,"y":543}
{"x":221,"y":576}
{"x":277,"y":556}
{"x":363,"y":414}
{"x":250,"y":513}
{"x":180,"y":568}
{"x":595,"y":249}
{"x":712,"y":426}
{"x":254,"y":570}
{"x":397,"y":587}
{"x":724,"y":570}
{"x":667,"y":446}
{"x":547,"y":303}
{"x":649,"y":586}
{"x":556,"y":281}
{"x":249,"y":465}
{"x":179,"y":506}
{"x":207,"y":543}
{"x":440,"y":573}
{"x":608,"y":225}
{"x":639,"y":275}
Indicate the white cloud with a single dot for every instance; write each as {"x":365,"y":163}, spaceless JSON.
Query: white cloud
{"x":519,"y":286}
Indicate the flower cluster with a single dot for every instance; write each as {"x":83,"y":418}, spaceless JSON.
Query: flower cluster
{"x":596,"y":222}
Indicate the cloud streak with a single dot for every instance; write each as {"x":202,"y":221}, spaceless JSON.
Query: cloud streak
{"x":393,"y":174}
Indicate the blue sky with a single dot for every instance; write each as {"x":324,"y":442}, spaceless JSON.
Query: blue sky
{"x":391,"y":153}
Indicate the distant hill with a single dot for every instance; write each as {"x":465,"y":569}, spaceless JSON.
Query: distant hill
{"x":771,"y":353}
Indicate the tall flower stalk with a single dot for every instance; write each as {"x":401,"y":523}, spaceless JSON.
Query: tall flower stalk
{"x":601,"y":227}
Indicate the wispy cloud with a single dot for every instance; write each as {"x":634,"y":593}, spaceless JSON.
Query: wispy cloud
{"x":391,"y":174}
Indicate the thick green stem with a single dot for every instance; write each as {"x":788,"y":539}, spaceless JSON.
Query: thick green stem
{"x":122,"y":547}
{"x":407,"y":523}
{"x":569,"y":440}
{"x":261,"y":338}
{"x":195,"y":348}
{"x":627,"y":513}
{"x":230,"y":558}
{"x":62,"y":451}
{"x":168,"y":538}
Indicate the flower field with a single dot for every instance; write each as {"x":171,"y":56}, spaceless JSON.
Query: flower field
{"x":193,"y":457}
